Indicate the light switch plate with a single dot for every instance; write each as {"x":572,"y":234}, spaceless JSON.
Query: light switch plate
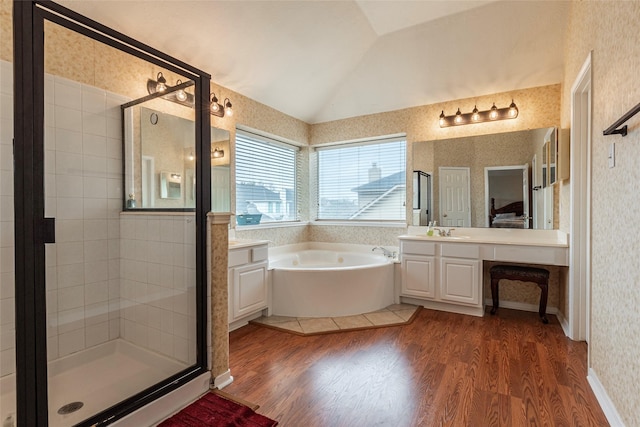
{"x":612,"y":155}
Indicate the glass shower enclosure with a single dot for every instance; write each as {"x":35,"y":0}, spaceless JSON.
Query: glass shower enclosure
{"x":124,"y":289}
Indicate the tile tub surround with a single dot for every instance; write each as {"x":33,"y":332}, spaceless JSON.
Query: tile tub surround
{"x":393,"y":315}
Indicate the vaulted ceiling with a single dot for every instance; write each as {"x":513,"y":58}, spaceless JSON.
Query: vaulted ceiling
{"x":325,"y":60}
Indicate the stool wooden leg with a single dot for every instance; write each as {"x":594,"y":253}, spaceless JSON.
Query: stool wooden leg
{"x":494,"y":295}
{"x":544,"y":287}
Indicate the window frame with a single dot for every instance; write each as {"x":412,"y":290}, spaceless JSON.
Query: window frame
{"x":269,"y":140}
{"x":315,"y":190}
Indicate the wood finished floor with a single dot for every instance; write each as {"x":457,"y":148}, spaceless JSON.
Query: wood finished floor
{"x":443,"y":369}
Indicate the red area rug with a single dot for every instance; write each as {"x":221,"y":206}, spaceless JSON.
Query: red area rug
{"x":212,"y":410}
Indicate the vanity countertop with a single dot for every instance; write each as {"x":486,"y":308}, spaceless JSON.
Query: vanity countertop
{"x":235,"y":243}
{"x":497,"y":236}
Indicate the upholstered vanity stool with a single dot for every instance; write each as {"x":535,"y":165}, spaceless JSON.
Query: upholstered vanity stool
{"x":539,"y":276}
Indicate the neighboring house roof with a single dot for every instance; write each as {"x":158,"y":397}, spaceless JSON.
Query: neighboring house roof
{"x":390,"y":199}
{"x":256,"y":193}
{"x":383,"y":184}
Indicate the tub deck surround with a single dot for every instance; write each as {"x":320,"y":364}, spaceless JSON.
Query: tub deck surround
{"x":329,"y":279}
{"x":394,"y":315}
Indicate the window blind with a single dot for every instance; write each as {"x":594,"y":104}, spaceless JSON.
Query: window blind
{"x":266,"y":179}
{"x":362,"y":181}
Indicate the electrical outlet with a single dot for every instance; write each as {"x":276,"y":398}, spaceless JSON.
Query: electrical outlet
{"x":612,"y":155}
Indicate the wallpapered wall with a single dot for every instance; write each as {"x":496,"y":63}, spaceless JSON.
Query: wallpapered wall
{"x":610,"y":31}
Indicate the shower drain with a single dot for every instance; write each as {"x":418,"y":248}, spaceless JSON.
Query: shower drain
{"x":70,"y":407}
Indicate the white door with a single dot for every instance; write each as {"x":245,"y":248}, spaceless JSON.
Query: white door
{"x":454,"y":197}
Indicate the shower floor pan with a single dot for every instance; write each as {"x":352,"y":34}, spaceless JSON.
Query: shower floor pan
{"x":98,"y":377}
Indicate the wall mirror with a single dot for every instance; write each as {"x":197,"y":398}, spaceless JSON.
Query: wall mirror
{"x":160,"y":158}
{"x":467,"y":173}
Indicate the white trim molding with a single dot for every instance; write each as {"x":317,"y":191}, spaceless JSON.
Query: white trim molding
{"x":223,"y":380}
{"x":580,"y":211}
{"x":606,"y":404}
{"x":522,"y":306}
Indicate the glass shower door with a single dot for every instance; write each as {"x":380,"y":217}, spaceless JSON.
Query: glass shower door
{"x":7,"y":242}
{"x":120,"y":286}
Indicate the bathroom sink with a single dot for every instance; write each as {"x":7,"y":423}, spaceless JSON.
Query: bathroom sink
{"x":454,"y":237}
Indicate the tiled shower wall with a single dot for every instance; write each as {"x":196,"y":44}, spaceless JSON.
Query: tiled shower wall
{"x":7,"y":269}
{"x":83,"y":191}
{"x":158,"y":271}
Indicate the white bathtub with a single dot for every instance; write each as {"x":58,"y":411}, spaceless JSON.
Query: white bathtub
{"x":329,"y":280}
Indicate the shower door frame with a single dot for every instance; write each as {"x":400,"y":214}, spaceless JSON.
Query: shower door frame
{"x":33,"y":230}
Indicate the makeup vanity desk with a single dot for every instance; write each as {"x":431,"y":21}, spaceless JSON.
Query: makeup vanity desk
{"x":445,"y":273}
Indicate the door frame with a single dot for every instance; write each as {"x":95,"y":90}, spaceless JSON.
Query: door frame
{"x":580,"y":208}
{"x":526,"y":202}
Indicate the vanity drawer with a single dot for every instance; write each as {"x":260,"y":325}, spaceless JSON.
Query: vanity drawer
{"x":460,"y":250}
{"x":239,"y":257}
{"x":418,"y":248}
{"x":532,"y":254}
{"x":259,"y":254}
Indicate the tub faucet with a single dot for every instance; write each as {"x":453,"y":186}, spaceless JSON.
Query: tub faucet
{"x":386,"y":252}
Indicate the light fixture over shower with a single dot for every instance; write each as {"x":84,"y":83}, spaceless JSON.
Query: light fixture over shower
{"x":179,"y":95}
{"x":475,"y":116}
{"x":220,"y":110}
{"x":175,"y":93}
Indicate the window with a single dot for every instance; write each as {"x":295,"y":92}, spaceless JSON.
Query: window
{"x":266,"y":179}
{"x":362,"y":181}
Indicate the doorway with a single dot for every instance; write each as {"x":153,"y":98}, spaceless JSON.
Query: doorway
{"x":506,"y":185}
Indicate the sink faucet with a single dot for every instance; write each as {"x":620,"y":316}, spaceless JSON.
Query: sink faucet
{"x":386,"y":252}
{"x":444,"y":233}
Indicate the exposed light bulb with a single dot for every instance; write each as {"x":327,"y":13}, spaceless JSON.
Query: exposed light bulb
{"x":475,"y":116}
{"x":458,"y":118}
{"x":228,"y":110}
{"x":494,"y":112}
{"x":442,"y":119}
{"x":162,"y":83}
{"x":214,"y":104}
{"x":181,"y":95}
{"x":513,"y":110}
{"x":191,"y":156}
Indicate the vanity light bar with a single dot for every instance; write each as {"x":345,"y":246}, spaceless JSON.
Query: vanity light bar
{"x":490,"y":115}
{"x":175,"y":93}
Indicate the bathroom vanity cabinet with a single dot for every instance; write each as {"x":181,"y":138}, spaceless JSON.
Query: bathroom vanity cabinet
{"x":445,"y":273}
{"x":248,"y":285}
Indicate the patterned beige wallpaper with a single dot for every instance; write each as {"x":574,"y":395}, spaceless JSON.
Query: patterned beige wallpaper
{"x":610,"y":31}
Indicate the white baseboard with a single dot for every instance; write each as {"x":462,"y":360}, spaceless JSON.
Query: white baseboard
{"x":564,"y":323}
{"x":606,"y":404}
{"x":244,"y":321}
{"x":514,"y":305}
{"x":223,"y":380}
{"x":442,"y":306}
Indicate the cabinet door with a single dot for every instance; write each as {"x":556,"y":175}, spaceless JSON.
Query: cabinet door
{"x":418,"y":276}
{"x":459,"y":280}
{"x":249,"y":289}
